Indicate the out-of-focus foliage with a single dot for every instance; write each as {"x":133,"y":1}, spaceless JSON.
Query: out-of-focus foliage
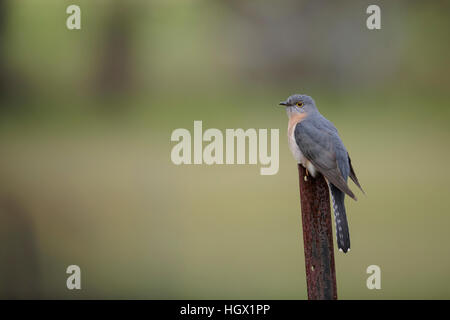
{"x":85,"y":124}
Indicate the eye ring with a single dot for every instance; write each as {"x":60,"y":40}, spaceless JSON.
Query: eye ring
{"x":299,"y":104}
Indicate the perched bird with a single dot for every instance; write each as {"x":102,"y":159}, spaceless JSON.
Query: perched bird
{"x":315,"y":143}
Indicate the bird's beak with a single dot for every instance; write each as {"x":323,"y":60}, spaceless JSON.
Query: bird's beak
{"x":283,"y":103}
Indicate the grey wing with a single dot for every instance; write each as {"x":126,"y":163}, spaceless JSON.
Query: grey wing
{"x":353,"y":175}
{"x":319,"y":143}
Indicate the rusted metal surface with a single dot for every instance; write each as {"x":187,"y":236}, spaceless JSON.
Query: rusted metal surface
{"x":317,"y":237}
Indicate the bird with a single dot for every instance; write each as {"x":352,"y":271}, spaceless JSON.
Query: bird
{"x":315,"y":144}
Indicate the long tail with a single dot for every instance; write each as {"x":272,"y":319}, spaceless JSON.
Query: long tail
{"x":340,"y":218}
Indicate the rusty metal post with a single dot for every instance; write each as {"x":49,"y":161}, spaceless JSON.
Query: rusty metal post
{"x":317,"y":237}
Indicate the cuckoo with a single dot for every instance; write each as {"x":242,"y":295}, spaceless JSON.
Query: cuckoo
{"x":315,"y":144}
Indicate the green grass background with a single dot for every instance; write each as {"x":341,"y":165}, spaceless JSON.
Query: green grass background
{"x":89,"y":181}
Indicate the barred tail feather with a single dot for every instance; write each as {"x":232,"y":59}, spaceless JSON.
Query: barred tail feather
{"x":340,"y":219}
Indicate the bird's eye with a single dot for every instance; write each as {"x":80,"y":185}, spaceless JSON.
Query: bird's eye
{"x":299,"y":104}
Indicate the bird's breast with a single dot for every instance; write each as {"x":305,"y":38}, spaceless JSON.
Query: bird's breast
{"x":293,"y":121}
{"x":293,"y":146}
{"x":295,"y":150}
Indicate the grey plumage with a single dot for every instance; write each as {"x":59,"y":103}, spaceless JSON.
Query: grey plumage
{"x":340,"y":218}
{"x":319,"y":144}
{"x":353,"y":175}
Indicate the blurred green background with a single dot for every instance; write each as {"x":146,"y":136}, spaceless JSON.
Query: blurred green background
{"x":86,"y":118}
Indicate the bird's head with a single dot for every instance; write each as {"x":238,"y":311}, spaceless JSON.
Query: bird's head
{"x":299,"y":103}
